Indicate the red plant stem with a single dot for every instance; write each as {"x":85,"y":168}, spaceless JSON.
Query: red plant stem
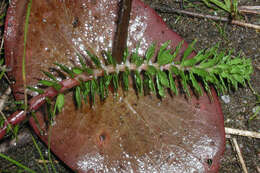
{"x":50,"y":93}
{"x":15,"y":118}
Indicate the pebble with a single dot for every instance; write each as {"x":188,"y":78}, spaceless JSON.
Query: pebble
{"x":225,"y":98}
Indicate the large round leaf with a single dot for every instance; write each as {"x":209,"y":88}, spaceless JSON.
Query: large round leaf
{"x":127,"y":133}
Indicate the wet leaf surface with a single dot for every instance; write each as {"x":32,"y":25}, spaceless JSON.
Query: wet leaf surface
{"x":123,"y":134}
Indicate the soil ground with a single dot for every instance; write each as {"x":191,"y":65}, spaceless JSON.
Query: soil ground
{"x":236,"y":112}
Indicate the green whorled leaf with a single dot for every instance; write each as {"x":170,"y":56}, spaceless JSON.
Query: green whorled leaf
{"x":65,"y":69}
{"x":216,"y":70}
{"x":56,"y":86}
{"x":89,"y":71}
{"x":213,"y":79}
{"x":212,"y":51}
{"x":78,"y":96}
{"x":165,"y":57}
{"x":188,"y":51}
{"x":224,"y":66}
{"x":115,"y":82}
{"x":125,"y":80}
{"x":239,"y":79}
{"x":150,"y":82}
{"x":102,"y":88}
{"x":93,"y":90}
{"x":125,"y":55}
{"x":228,"y":4}
{"x":60,"y":101}
{"x":237,"y":69}
{"x":191,"y":62}
{"x":40,"y":91}
{"x":223,"y":84}
{"x":94,"y":59}
{"x":224,"y":74}
{"x":150,"y":52}
{"x":135,"y":58}
{"x":219,"y":57}
{"x":163,"y":79}
{"x":236,"y":61}
{"x":53,"y":84}
{"x":172,"y":83}
{"x":107,"y":80}
{"x":164,"y":54}
{"x":82,"y":88}
{"x":49,"y":75}
{"x":177,"y":50}
{"x":207,"y":88}
{"x":163,"y":47}
{"x":160,"y":88}
{"x":233,"y":83}
{"x":174,"y":70}
{"x":151,"y":70}
{"x":227,"y":57}
{"x":184,"y":82}
{"x":87,"y":88}
{"x":195,"y":84}
{"x":188,"y":62}
{"x":84,"y":66}
{"x":208,"y":64}
{"x":77,"y":70}
{"x":110,"y":59}
{"x":139,"y":62}
{"x":138,"y":82}
{"x":82,"y":63}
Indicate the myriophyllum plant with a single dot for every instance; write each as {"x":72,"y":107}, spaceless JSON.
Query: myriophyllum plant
{"x":208,"y":67}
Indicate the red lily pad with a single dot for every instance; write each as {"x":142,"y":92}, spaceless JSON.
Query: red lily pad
{"x":127,"y":133}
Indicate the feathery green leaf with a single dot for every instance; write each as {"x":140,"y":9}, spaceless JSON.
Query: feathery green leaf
{"x":65,"y":69}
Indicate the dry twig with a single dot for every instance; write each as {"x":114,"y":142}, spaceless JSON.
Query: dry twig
{"x":166,"y":9}
{"x":242,"y":132}
{"x":242,"y":162}
{"x":249,"y":9}
{"x":45,"y":161}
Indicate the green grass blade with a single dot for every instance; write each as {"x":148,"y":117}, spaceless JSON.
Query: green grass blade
{"x":40,"y":153}
{"x":17,"y":163}
{"x":28,"y":12}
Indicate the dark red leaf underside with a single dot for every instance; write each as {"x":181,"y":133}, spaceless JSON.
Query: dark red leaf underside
{"x":125,"y":133}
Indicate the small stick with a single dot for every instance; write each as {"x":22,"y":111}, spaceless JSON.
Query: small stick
{"x":45,"y":161}
{"x":166,"y":9}
{"x":242,"y":162}
{"x":249,"y":9}
{"x":242,"y":132}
